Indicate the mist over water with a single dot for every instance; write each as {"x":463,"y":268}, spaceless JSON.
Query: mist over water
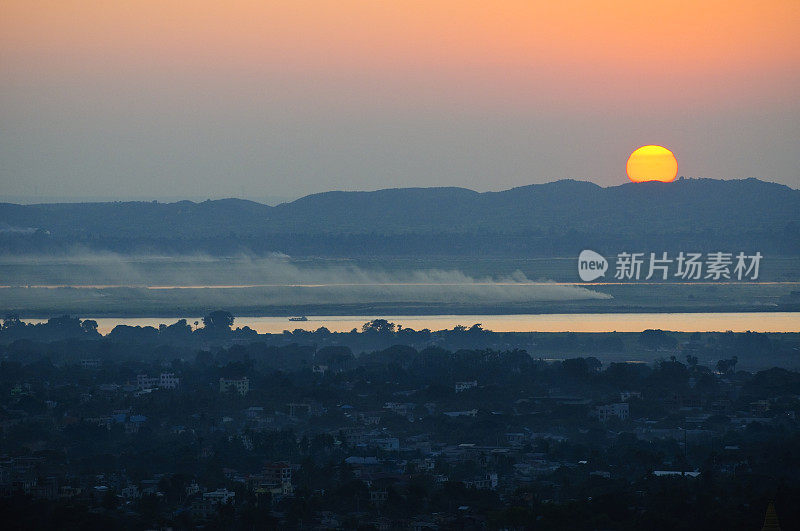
{"x":275,"y":280}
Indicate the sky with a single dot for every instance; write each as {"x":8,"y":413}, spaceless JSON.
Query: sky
{"x":279,"y":99}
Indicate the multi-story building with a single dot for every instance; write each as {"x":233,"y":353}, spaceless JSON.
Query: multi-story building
{"x":168,"y":380}
{"x":240,"y":385}
{"x":144,"y":381}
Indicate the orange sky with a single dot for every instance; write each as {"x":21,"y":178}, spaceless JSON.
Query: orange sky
{"x":137,"y":97}
{"x":685,"y":51}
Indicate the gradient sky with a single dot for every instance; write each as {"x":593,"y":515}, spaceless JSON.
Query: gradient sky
{"x":205,"y":98}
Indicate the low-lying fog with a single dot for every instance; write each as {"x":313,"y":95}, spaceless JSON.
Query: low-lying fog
{"x":275,"y":280}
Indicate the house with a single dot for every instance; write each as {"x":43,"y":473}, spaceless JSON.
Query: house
{"x":470,"y":413}
{"x":254,"y":412}
{"x":463,"y":386}
{"x":135,"y":422}
{"x":278,"y":473}
{"x":276,"y":479}
{"x":370,"y":418}
{"x":399,"y":408}
{"x":144,"y":381}
{"x":483,"y":482}
{"x":378,"y":496}
{"x":621,"y":410}
{"x":516,"y":439}
{"x":390,"y":444}
{"x":662,"y":473}
{"x":624,"y":396}
{"x":192,"y":489}
{"x":131,"y":492}
{"x":239,"y":385}
{"x":220,"y":496}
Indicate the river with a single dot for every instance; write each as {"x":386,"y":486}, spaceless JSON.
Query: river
{"x":581,"y":322}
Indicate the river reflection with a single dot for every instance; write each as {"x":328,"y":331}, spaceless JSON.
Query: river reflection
{"x":594,"y":322}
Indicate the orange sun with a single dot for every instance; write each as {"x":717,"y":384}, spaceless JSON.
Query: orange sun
{"x":652,"y":163}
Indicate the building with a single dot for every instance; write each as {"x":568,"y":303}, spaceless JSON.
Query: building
{"x":168,"y":380}
{"x":278,"y":473}
{"x":483,"y":482}
{"x":463,"y":386}
{"x":621,"y":410}
{"x":276,"y":479}
{"x":624,"y":396}
{"x":220,"y":496}
{"x":771,"y":519}
{"x":389,"y":444}
{"x":209,"y":502}
{"x":378,"y":496}
{"x":516,"y":439}
{"x":145,"y":382}
{"x":254,"y":412}
{"x":239,"y":385}
{"x":131,"y":492}
{"x":470,"y":413}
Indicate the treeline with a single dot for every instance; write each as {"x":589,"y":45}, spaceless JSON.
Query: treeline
{"x":58,"y":336}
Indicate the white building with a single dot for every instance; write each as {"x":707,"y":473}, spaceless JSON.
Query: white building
{"x":463,"y":386}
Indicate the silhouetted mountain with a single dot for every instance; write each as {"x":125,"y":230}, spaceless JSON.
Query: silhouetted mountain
{"x":538,"y":219}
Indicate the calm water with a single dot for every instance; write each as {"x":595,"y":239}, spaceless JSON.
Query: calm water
{"x":594,"y":322}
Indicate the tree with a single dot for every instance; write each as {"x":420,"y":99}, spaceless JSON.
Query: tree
{"x":219,"y":321}
{"x":12,"y":321}
{"x":334,"y":356}
{"x":379,"y":326}
{"x":89,"y":327}
{"x":178,"y":330}
{"x":725,"y":366}
{"x":656,"y":339}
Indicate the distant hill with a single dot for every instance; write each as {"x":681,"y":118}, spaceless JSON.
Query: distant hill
{"x":540,"y":219}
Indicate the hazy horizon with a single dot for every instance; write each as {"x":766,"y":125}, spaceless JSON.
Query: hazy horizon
{"x":275,"y":200}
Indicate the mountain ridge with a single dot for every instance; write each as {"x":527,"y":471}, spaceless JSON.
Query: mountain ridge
{"x":722,"y":209}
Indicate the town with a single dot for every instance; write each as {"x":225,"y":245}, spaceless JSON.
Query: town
{"x":387,"y":428}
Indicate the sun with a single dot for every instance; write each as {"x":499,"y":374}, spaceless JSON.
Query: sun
{"x":652,"y":163}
